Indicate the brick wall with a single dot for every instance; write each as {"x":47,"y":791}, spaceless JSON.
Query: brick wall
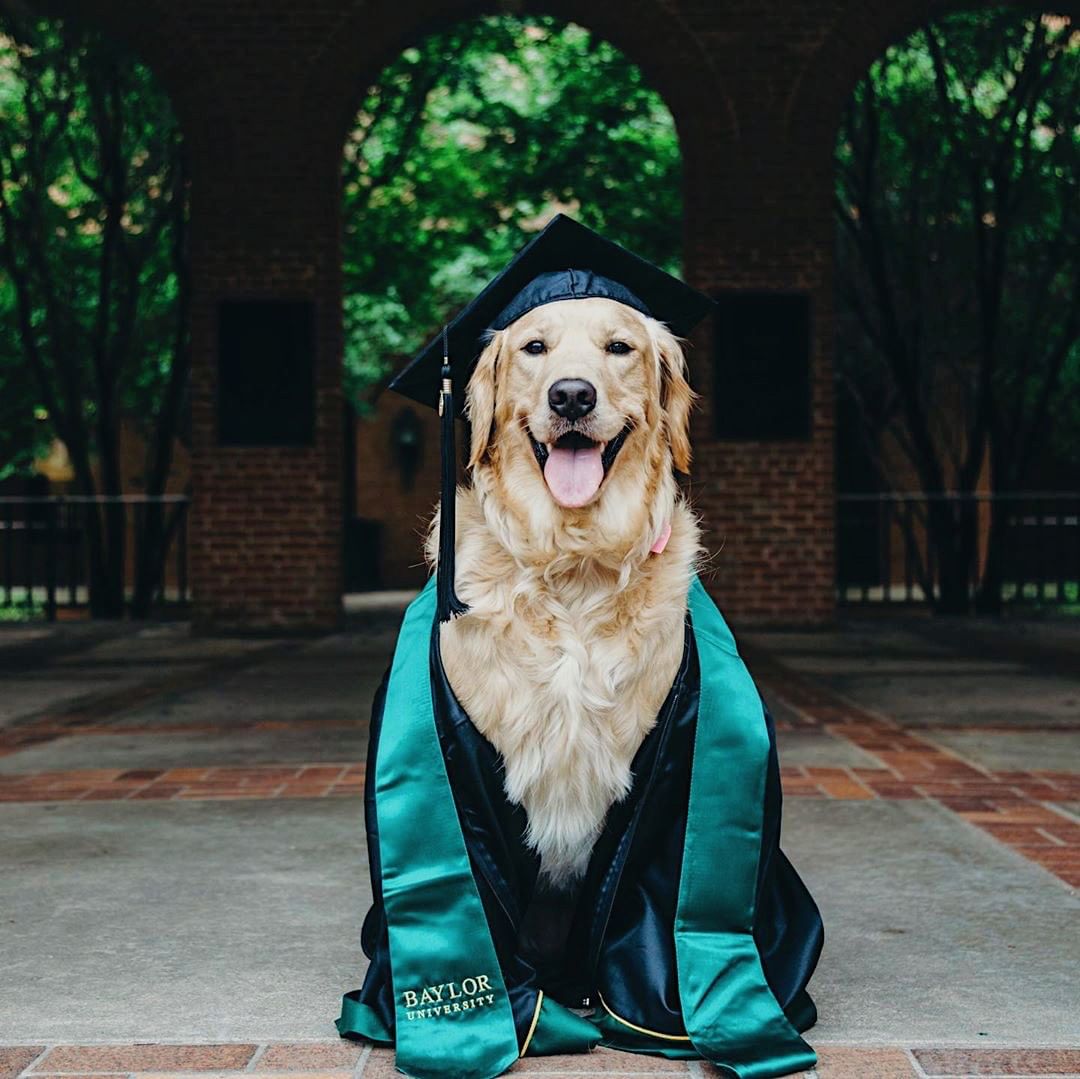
{"x":265,"y":90}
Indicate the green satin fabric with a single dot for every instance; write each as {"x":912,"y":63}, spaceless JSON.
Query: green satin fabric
{"x":358,"y":1019}
{"x":559,"y":1030}
{"x":729,"y":1012}
{"x":452,"y":1013}
{"x":437,"y":926}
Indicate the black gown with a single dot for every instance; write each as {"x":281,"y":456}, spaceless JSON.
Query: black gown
{"x":617,"y":930}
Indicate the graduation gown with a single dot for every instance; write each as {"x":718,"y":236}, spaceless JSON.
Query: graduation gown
{"x":691,"y":934}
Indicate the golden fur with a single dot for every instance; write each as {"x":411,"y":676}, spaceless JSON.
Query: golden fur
{"x":574,"y":633}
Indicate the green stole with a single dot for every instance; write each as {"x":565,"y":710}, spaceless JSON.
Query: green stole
{"x":452,"y":1011}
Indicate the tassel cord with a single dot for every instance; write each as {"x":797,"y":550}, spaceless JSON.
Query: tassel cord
{"x":448,"y":604}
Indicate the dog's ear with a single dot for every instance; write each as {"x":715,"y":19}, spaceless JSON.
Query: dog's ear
{"x":676,"y":396}
{"x":480,"y":399}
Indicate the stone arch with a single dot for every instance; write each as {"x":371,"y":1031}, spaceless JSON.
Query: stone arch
{"x":654,"y":37}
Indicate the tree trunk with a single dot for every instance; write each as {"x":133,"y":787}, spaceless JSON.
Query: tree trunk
{"x":1003,"y":469}
{"x":952,"y":535}
{"x":105,"y":529}
{"x":153,"y":536}
{"x":989,"y":600}
{"x":150,"y":549}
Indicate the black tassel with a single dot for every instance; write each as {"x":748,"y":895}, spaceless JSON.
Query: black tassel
{"x":448,"y":605}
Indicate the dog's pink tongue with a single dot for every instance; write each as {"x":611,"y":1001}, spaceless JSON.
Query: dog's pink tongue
{"x":573,"y":476}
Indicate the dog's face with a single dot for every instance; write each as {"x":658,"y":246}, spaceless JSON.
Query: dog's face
{"x":582,"y":401}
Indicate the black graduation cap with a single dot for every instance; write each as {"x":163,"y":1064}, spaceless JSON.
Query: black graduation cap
{"x":564,"y":261}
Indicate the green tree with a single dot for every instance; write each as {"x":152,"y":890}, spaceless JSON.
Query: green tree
{"x":93,"y":275}
{"x":957,"y":202}
{"x":464,"y":145}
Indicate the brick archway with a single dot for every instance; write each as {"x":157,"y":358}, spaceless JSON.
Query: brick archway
{"x":264,"y":95}
{"x":662,"y":46}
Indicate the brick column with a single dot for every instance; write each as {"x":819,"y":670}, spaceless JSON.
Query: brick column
{"x":752,"y":223}
{"x":267,"y":521}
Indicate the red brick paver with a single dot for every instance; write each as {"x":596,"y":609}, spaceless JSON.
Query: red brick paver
{"x":841,"y":1062}
{"x":48,"y":729}
{"x":14,"y":1059}
{"x":144,"y":1057}
{"x":184,"y":784}
{"x":969,"y":1062}
{"x":305,"y":1057}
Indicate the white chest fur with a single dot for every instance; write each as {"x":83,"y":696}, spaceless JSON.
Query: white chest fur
{"x":565,"y":684}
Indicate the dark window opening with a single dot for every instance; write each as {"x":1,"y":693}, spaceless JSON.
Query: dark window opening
{"x":761,"y":366}
{"x":266,"y":373}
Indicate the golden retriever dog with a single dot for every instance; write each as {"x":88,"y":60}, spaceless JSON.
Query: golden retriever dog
{"x":575,"y":550}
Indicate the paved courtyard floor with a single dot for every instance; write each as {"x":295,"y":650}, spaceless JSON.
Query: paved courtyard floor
{"x":183,"y":871}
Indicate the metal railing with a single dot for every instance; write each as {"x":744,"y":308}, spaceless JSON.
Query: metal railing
{"x":45,"y":554}
{"x":884,"y":553}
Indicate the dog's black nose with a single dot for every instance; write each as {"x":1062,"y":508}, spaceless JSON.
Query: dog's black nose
{"x":572,"y":398}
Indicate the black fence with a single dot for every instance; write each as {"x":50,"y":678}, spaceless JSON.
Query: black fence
{"x":45,"y":556}
{"x":883,"y":553}
{"x":884,"y":557}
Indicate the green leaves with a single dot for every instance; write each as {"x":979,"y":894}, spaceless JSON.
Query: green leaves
{"x":92,"y":196}
{"x":958,"y":188}
{"x":468,"y":142}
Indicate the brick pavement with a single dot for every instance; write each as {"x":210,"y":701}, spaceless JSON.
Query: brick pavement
{"x":98,"y":712}
{"x":347,"y":1060}
{"x":1018,"y":808}
{"x":255,"y":781}
{"x":1030,"y":811}
{"x":974,"y":794}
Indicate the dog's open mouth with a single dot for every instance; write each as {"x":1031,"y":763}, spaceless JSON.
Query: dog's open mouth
{"x":574,"y":465}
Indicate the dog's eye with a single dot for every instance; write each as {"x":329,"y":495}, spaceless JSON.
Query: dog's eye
{"x":535,"y":348}
{"x":619,"y":348}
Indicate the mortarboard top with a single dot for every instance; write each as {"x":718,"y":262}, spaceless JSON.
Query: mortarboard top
{"x":565,"y":260}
